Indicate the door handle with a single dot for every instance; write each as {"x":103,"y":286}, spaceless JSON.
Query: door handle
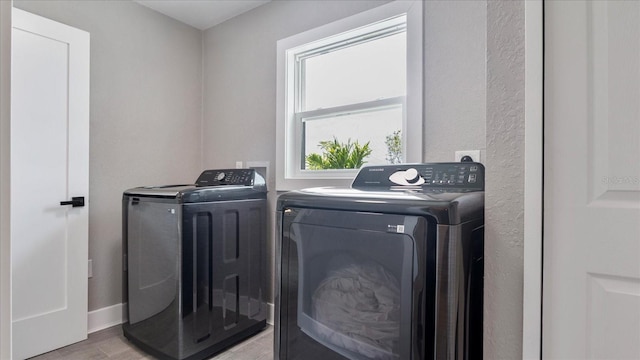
{"x":77,"y":201}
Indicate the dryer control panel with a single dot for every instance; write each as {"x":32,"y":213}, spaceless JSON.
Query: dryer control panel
{"x":462,"y":175}
{"x":242,"y":177}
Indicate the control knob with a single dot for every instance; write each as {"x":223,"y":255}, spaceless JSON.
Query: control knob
{"x":412,"y":176}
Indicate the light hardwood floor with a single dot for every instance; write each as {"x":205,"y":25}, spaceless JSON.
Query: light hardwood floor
{"x":111,"y":344}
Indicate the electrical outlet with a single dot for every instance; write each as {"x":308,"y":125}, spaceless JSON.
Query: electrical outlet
{"x":473,"y":154}
{"x":90,"y":268}
{"x":262,"y":168}
{"x":238,"y":164}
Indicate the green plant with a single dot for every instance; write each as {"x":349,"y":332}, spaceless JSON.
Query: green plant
{"x":394,"y":147}
{"x":337,"y":155}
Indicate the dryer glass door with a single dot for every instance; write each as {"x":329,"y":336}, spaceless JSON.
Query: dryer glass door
{"x":348,"y":284}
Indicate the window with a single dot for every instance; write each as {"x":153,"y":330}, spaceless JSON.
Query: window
{"x":349,"y":94}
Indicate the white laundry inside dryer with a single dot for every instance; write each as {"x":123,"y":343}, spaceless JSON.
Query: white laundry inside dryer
{"x":359,"y":306}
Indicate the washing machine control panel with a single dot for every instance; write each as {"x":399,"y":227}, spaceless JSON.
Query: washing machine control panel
{"x":221,"y":177}
{"x":463,"y":175}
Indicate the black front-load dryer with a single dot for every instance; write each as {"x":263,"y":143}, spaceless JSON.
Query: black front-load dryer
{"x":390,"y":268}
{"x":194,"y":279}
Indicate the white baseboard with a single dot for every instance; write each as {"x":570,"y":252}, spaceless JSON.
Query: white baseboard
{"x":113,"y":315}
{"x":270,"y":312}
{"x":104,"y":318}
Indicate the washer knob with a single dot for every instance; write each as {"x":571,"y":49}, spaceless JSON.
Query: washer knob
{"x":220,"y":176}
{"x":411,"y":175}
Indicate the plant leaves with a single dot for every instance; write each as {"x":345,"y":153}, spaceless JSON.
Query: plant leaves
{"x":337,"y":155}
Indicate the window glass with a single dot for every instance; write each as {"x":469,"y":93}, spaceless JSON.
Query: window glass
{"x":350,"y":97}
{"x":382,"y":135}
{"x":367,"y":71}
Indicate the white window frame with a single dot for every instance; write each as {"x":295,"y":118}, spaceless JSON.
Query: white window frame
{"x":289,"y":176}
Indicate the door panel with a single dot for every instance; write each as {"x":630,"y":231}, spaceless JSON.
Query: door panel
{"x":613,"y":128}
{"x":609,"y":330}
{"x":591,"y":301}
{"x":49,"y":164}
{"x":49,"y":239}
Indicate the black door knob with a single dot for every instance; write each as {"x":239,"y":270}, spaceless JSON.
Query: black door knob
{"x":77,"y":201}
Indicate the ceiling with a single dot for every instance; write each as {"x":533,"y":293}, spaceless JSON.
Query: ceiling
{"x":202,"y":14}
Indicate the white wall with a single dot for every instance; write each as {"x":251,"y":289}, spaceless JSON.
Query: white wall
{"x":5,"y":249}
{"x":504,"y":202}
{"x":454,"y":78}
{"x":146,"y":112}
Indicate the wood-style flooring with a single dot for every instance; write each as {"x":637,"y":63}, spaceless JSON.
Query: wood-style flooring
{"x":111,"y":344}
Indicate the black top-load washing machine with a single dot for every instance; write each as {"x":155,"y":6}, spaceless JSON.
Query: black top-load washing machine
{"x":194,"y":279}
{"x":391,"y":268}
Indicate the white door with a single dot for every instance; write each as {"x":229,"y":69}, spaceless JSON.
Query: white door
{"x":49,"y":164}
{"x":591,"y":291}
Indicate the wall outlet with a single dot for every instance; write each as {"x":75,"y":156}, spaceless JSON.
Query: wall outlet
{"x":90,"y":268}
{"x":238,"y":164}
{"x":262,"y":168}
{"x":474,"y":154}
